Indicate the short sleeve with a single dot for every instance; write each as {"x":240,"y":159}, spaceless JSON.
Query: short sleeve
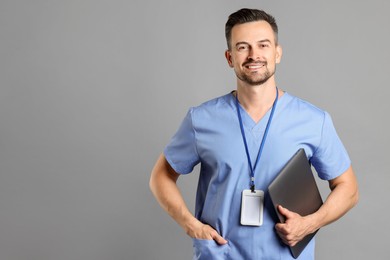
{"x":330,"y":158}
{"x":181,"y":151}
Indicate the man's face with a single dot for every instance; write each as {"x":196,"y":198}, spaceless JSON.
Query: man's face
{"x":254,"y":53}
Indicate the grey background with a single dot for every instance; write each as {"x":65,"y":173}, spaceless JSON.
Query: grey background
{"x":91,"y":91}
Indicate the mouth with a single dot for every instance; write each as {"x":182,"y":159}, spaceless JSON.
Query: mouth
{"x":254,"y":66}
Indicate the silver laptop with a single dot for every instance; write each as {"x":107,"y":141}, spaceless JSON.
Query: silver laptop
{"x":295,"y":189}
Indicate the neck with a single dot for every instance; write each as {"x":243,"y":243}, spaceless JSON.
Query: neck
{"x":256,"y":100}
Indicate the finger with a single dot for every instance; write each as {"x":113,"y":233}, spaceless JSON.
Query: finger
{"x":286,"y":240}
{"x":283,"y":233}
{"x":219,"y":239}
{"x":289,"y":242}
{"x":281,"y":229}
{"x":282,"y":237}
{"x":279,"y":226}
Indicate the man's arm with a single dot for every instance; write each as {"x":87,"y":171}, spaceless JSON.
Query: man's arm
{"x":163,"y":185}
{"x":343,"y":196}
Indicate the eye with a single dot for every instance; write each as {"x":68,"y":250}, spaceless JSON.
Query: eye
{"x":264,"y":45}
{"x":242,"y":47}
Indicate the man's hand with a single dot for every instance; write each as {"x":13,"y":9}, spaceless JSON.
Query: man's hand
{"x":295,"y":228}
{"x":163,"y":185}
{"x":343,"y":197}
{"x":202,"y":231}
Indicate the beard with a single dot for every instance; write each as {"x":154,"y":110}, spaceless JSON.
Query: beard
{"x":255,"y":79}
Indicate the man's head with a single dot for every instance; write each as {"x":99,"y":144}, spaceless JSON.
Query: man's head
{"x":253,"y":50}
{"x":249,"y":15}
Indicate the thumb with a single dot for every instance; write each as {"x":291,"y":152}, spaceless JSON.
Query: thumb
{"x":285,"y":212}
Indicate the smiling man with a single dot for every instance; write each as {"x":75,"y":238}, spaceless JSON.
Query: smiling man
{"x":255,"y":54}
{"x":242,"y":140}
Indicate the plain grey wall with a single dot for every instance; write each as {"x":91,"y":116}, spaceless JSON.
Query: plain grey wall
{"x":91,"y":91}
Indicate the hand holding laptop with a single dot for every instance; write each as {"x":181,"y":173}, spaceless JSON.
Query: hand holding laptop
{"x":295,"y":196}
{"x":294,"y":228}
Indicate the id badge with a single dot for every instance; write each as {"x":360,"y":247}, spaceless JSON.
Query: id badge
{"x":252,"y":208}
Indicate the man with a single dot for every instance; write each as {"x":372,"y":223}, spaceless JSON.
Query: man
{"x":242,"y":140}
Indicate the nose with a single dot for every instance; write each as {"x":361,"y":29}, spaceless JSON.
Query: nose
{"x":253,"y":54}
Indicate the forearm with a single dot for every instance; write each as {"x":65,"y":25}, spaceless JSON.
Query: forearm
{"x":163,"y":186}
{"x":343,"y":197}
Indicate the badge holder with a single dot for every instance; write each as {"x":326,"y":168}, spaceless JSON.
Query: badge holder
{"x":252,"y":208}
{"x":252,"y":201}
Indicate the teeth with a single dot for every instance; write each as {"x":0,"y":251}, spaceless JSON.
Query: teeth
{"x":255,"y":66}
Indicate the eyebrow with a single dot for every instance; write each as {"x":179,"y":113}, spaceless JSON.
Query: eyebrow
{"x":239,"y":43}
{"x":261,"y":41}
{"x":265,"y":40}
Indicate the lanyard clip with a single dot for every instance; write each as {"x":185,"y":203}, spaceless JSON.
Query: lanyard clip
{"x":253,"y":188}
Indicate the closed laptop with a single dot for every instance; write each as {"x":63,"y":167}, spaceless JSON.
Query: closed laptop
{"x":295,"y":189}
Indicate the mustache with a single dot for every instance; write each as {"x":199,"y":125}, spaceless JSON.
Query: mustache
{"x":252,"y":62}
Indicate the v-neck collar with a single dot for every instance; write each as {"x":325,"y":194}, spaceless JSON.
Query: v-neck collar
{"x":257,"y":129}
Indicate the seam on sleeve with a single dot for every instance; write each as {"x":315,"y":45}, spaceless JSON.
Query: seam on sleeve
{"x":322,"y":133}
{"x":195,"y":133}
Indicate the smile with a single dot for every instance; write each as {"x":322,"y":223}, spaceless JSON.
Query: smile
{"x":254,"y":66}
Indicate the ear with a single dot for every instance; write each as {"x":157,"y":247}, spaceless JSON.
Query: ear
{"x":228,"y":57}
{"x":279,"y":53}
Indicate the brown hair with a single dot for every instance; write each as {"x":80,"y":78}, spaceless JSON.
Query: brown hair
{"x":246,"y":15}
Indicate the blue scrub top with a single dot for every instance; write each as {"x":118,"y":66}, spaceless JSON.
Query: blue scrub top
{"x":210,"y":135}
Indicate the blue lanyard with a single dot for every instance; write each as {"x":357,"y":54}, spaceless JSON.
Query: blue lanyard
{"x":252,"y":169}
